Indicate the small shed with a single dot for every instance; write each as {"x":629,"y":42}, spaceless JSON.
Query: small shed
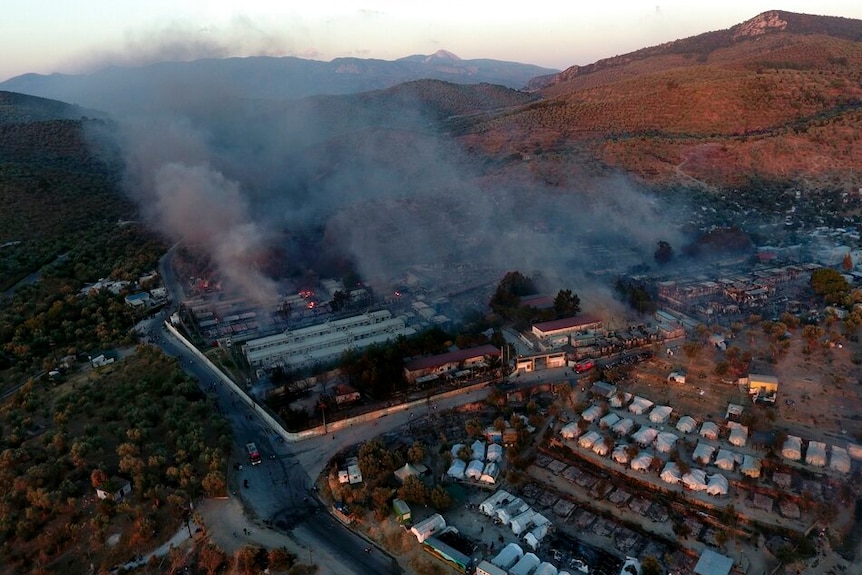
{"x":425,"y":529}
{"x":401,"y":511}
{"x":114,"y":489}
{"x":402,"y":473}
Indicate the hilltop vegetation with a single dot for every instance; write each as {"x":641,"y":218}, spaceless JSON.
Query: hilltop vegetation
{"x":142,"y":420}
{"x":778,"y":97}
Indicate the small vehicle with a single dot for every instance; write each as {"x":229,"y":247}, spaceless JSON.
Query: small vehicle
{"x":253,"y":453}
{"x":583,"y":366}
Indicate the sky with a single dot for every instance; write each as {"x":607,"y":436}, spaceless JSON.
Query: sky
{"x":47,"y":36}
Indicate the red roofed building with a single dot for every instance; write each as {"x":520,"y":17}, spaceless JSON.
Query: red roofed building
{"x":451,"y":361}
{"x":567,"y":326}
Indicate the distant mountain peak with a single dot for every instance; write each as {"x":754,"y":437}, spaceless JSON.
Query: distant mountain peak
{"x":443,"y":55}
{"x":770,"y":21}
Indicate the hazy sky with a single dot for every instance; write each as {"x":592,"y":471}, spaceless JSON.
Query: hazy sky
{"x":48,"y":36}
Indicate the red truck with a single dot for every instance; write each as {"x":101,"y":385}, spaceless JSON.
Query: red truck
{"x":583,"y":366}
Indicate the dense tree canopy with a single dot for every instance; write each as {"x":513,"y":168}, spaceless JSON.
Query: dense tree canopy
{"x":829,"y":284}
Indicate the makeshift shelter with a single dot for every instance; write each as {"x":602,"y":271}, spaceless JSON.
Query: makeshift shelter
{"x":738,"y":434}
{"x":474,"y":469}
{"x":620,"y":454}
{"x":520,"y":523}
{"x":425,"y":529}
{"x":571,"y":431}
{"x":618,"y":400}
{"x":640,"y":405}
{"x":601,"y":447}
{"x":490,"y":473}
{"x":750,"y":466}
{"x":660,"y":413}
{"x":792,"y":448}
{"x":609,"y":420}
{"x":457,"y":469}
{"x":839,"y":460}
{"x":534,"y":537}
{"x":686,"y":424}
{"x":665,"y":441}
{"x":490,"y":505}
{"x":703,"y":453}
{"x":592,"y":413}
{"x":695,"y":480}
{"x":670,"y":473}
{"x":478,"y":449}
{"x":494,"y":452}
{"x":725,"y":459}
{"x":589,"y":439}
{"x":508,"y":556}
{"x":623,"y":427}
{"x":507,"y":513}
{"x":525,"y":565}
{"x":642,"y":461}
{"x":816,"y":453}
{"x":545,"y":569}
{"x":645,"y":436}
{"x":709,"y":430}
{"x":717,"y":485}
{"x":402,"y":473}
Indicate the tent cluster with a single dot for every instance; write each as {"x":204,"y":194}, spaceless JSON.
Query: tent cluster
{"x":519,"y":516}
{"x":484,"y":465}
{"x":815,"y":454}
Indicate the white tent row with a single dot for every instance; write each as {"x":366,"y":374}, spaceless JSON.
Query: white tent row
{"x":520,"y":523}
{"x":670,"y":473}
{"x":589,"y":439}
{"x":725,"y":459}
{"x":609,"y":420}
{"x":642,"y":461}
{"x":592,"y":413}
{"x":665,"y":441}
{"x":717,"y":485}
{"x":478,"y":449}
{"x":620,"y":454}
{"x":474,"y":469}
{"x":709,"y":430}
{"x":695,"y":480}
{"x":816,"y":453}
{"x":507,"y":513}
{"x":750,"y":466}
{"x":490,"y":473}
{"x":703,"y":453}
{"x":640,"y":405}
{"x":571,"y":431}
{"x":601,"y":447}
{"x":534,"y":537}
{"x":792,"y":448}
{"x":686,"y":424}
{"x":839,"y":460}
{"x":660,"y":413}
{"x":623,"y":427}
{"x":618,"y":401}
{"x":508,"y":556}
{"x":645,"y":436}
{"x":457,"y":469}
{"x":489,"y":506}
{"x":738,"y":434}
{"x":425,"y":529}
